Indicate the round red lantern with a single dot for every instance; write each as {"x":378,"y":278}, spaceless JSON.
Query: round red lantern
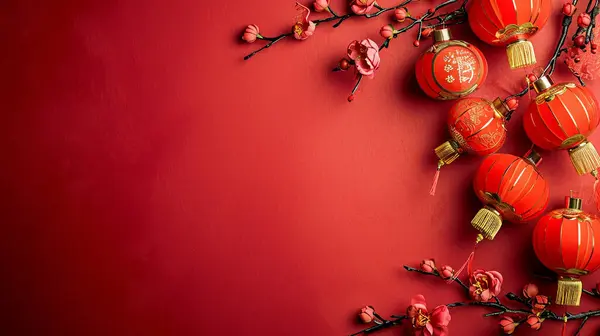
{"x":476,"y":126}
{"x":563,"y":116}
{"x":564,"y":241}
{"x":511,"y":188}
{"x":450,"y":69}
{"x":510,"y":23}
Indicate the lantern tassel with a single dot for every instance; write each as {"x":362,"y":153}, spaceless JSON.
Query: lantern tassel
{"x":569,"y":292}
{"x":436,"y":178}
{"x":585,"y":158}
{"x":520,"y":54}
{"x":564,"y":327}
{"x":487,"y":221}
{"x":468,"y":263}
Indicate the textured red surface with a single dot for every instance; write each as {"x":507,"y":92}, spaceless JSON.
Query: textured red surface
{"x":156,"y":184}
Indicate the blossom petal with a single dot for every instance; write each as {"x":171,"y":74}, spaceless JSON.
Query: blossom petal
{"x":486,"y":295}
{"x":440,"y":316}
{"x":418,"y":301}
{"x":429,"y":328}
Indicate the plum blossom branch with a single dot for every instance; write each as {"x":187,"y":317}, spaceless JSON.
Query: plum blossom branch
{"x":359,"y":8}
{"x":367,"y":60}
{"x":533,"y":312}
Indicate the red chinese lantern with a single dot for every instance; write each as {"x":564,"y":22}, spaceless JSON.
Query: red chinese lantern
{"x":510,"y":23}
{"x":450,"y":69}
{"x":476,"y":126}
{"x":564,"y":241}
{"x":511,"y":188}
{"x":563,"y":116}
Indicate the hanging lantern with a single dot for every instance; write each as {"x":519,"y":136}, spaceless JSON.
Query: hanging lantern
{"x":563,"y":116}
{"x":564,"y":241}
{"x":510,"y":23}
{"x":450,"y":69}
{"x":476,"y":126}
{"x":511,"y":188}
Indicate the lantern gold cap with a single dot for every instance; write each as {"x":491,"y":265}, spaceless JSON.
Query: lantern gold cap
{"x":441,"y":35}
{"x":573,"y":203}
{"x":542,"y":84}
{"x":500,"y":106}
{"x":533,"y":157}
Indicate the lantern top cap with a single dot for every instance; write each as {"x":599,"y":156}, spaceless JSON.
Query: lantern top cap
{"x":500,"y":106}
{"x":441,"y":35}
{"x":573,"y":203}
{"x":542,"y":84}
{"x":533,"y":157}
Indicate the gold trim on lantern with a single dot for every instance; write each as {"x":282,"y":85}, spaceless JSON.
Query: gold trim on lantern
{"x":447,"y":152}
{"x":585,"y":158}
{"x":510,"y":30}
{"x":520,"y":54}
{"x":488,"y":221}
{"x":548,"y":94}
{"x":568,"y":292}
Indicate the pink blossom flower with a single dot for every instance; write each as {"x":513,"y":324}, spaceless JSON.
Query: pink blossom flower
{"x":427,"y":265}
{"x":508,"y":325}
{"x":447,"y":272}
{"x":362,"y":7}
{"x":387,"y":31}
{"x":400,"y":14}
{"x":584,"y":20}
{"x":251,"y":33}
{"x":530,"y":291}
{"x":366,"y":314}
{"x":584,"y":63}
{"x":534,"y":322}
{"x":540,"y":302}
{"x":485,"y":285}
{"x":321,"y":5}
{"x":303,"y":28}
{"x":425,"y":324}
{"x":365,"y":55}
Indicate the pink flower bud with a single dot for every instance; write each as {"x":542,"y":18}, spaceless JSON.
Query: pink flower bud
{"x":579,"y":41}
{"x":344,"y":64}
{"x":400,"y":14}
{"x":321,"y":5}
{"x":447,"y":272}
{"x":512,"y":104}
{"x":426,"y":32}
{"x":366,"y":314}
{"x":416,"y":43}
{"x":568,"y":9}
{"x":508,"y":325}
{"x":251,"y":33}
{"x":584,"y":20}
{"x":350,"y":98}
{"x":539,"y":303}
{"x":387,"y":31}
{"x":534,"y":322}
{"x":530,"y":291}
{"x":531,"y":78}
{"x":427,"y":265}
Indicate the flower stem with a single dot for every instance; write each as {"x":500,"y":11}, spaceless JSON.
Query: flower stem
{"x":272,"y":40}
{"x":384,"y":325}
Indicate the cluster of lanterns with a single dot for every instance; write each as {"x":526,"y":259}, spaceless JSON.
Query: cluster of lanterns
{"x":560,"y":117}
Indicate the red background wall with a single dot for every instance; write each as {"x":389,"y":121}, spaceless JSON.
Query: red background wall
{"x":156,"y":184}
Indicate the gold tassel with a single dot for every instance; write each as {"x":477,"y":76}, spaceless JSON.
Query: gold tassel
{"x":585,"y":158}
{"x":520,"y":54}
{"x":488,"y":221}
{"x":447,"y":152}
{"x":568,"y":292}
